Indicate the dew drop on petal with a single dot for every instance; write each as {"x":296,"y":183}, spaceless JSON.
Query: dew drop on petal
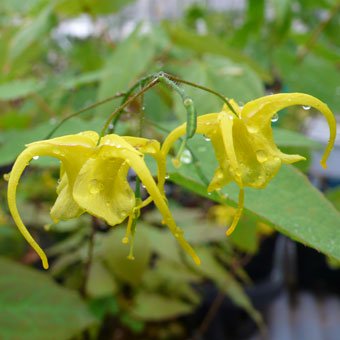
{"x":275,"y":118}
{"x":95,"y":187}
{"x":36,"y":157}
{"x":122,"y":214}
{"x":206,"y":138}
{"x":167,"y":176}
{"x":306,"y":107}
{"x":252,"y":129}
{"x":186,"y":157}
{"x":261,"y":156}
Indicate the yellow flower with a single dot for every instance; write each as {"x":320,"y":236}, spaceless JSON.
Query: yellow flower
{"x":93,"y":179}
{"x":244,"y":144}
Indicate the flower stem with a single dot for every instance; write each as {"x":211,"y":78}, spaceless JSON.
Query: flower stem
{"x":92,"y":106}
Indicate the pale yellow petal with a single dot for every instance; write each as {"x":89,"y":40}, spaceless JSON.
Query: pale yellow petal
{"x":101,"y":187}
{"x":258,"y":113}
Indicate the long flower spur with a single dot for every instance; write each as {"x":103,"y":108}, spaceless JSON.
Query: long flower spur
{"x":244,"y":145}
{"x":93,"y":179}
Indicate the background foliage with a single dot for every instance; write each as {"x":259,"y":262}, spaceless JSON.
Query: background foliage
{"x":45,"y":75}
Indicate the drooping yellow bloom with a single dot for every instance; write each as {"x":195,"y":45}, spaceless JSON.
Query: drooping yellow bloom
{"x":93,"y":179}
{"x":244,"y":145}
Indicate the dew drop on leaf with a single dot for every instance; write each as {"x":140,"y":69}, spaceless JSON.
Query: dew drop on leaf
{"x":186,"y":157}
{"x":261,"y":156}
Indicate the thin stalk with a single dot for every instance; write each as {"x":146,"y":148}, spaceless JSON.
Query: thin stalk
{"x":92,"y":106}
{"x":317,"y":31}
{"x":140,"y":83}
{"x":225,"y":100}
{"x":120,"y":109}
{"x":89,"y":259}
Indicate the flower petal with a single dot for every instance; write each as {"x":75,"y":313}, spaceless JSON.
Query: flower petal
{"x":257,"y":113}
{"x":144,"y":174}
{"x":65,"y":207}
{"x":59,"y":148}
{"x":101,"y":187}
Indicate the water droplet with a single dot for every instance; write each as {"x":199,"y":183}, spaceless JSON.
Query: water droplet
{"x":36,"y":157}
{"x":206,"y":138}
{"x":122,"y":214}
{"x":275,"y":118}
{"x":111,"y":126}
{"x":143,"y":186}
{"x":6,"y":177}
{"x":125,"y":240}
{"x":209,"y":193}
{"x":252,"y":129}
{"x":238,"y":172}
{"x":188,"y":102}
{"x":186,"y":157}
{"x":53,"y":120}
{"x":261,"y":156}
{"x":167,"y":176}
{"x":95,"y":187}
{"x":306,"y":107}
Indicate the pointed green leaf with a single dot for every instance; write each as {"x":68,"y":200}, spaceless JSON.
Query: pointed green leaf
{"x":155,"y":307}
{"x":19,"y":88}
{"x":33,"y":307}
{"x":290,"y":202}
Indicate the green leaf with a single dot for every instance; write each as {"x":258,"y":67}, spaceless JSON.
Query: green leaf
{"x":12,"y":244}
{"x":19,"y":88}
{"x":229,"y":78}
{"x":334,"y":196}
{"x":289,"y":202}
{"x":78,"y":7}
{"x":38,"y":28}
{"x":12,"y":142}
{"x":284,"y":138}
{"x":129,"y":61}
{"x":155,"y":307}
{"x":83,"y":79}
{"x":33,"y":307}
{"x":197,"y":228}
{"x":282,"y":10}
{"x":314,"y":75}
{"x":213,"y":45}
{"x":100,"y":282}
{"x":102,"y":306}
{"x":114,"y":253}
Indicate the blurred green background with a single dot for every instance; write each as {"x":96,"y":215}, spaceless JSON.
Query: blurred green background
{"x":57,"y":57}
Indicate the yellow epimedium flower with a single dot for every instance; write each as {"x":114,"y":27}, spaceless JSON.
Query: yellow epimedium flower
{"x":93,"y":179}
{"x":244,"y":145}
